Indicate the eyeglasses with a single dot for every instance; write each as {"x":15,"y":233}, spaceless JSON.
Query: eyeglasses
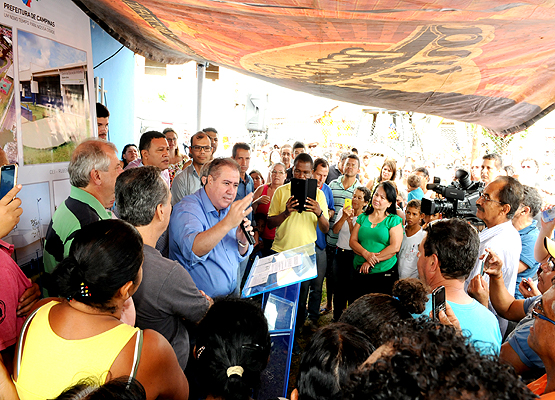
{"x":277,"y":172}
{"x":487,"y":197}
{"x":538,"y":311}
{"x":526,"y":166}
{"x":199,"y":148}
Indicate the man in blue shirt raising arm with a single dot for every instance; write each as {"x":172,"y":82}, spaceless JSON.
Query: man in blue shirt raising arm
{"x":205,"y":236}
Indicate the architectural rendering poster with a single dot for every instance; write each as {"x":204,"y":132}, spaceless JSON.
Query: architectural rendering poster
{"x":45,"y":106}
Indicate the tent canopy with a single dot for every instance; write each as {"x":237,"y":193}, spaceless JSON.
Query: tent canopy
{"x":485,"y":62}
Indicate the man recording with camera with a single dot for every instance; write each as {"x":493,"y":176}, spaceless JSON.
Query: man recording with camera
{"x":496,"y":206}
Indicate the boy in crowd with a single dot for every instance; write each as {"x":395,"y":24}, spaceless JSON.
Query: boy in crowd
{"x":412,"y":236}
{"x":413,"y":187}
{"x":430,"y":218}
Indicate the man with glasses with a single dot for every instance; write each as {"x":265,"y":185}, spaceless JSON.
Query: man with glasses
{"x":516,"y":349}
{"x":445,"y":258}
{"x":188,"y":181}
{"x":496,"y":207}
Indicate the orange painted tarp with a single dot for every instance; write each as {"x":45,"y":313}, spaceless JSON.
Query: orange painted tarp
{"x":486,"y":62}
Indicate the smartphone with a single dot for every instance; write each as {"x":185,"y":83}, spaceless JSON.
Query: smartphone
{"x":348,"y":203}
{"x":438,"y":301}
{"x":8,"y":179}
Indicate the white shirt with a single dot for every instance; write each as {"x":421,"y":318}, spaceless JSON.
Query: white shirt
{"x":406,"y":259}
{"x":344,"y":233}
{"x":504,"y":240}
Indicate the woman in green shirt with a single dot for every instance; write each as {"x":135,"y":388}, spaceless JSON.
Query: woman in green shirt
{"x":376,"y":238}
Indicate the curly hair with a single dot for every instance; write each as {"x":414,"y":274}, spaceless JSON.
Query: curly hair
{"x":373,"y":313}
{"x":427,"y":360}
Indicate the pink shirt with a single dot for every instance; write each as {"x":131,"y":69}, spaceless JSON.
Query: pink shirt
{"x":13,"y":283}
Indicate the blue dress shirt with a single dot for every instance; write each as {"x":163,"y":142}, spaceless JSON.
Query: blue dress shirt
{"x":216,"y":272}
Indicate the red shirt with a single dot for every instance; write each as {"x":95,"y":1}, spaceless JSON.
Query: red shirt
{"x":13,"y":283}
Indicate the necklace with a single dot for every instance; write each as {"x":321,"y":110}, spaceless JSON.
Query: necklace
{"x":72,"y":303}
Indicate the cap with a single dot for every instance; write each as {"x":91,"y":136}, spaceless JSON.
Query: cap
{"x":550,"y":246}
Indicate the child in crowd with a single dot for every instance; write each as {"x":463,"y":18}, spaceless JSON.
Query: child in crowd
{"x":412,"y":236}
{"x":429,"y":218}
{"x":413,"y":187}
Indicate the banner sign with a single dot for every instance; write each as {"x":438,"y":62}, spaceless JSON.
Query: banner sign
{"x":485,"y":62}
{"x":45,"y":106}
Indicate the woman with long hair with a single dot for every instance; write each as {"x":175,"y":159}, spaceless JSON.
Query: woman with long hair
{"x":178,"y":161}
{"x":387,"y":173}
{"x":232,"y":349}
{"x":80,"y":335}
{"x":257,"y":178}
{"x":376,"y":240}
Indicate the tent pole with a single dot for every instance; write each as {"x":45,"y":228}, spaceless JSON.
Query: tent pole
{"x":200,"y":81}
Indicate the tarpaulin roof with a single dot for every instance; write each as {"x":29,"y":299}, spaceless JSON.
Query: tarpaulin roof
{"x":485,"y":62}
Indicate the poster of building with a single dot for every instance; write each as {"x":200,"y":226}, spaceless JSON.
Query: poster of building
{"x":55,"y":113}
{"x":8,"y":129}
{"x":45,"y":82}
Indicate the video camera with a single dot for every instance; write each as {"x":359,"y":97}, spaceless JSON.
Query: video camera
{"x":459,"y":199}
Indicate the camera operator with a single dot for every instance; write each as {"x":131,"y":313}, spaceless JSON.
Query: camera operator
{"x":496,"y":207}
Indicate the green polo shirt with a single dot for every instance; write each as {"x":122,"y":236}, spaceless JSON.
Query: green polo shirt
{"x":79,"y":209}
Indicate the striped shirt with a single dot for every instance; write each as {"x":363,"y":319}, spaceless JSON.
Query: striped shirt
{"x":339,"y":196}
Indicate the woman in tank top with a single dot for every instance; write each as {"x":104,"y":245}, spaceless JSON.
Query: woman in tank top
{"x":261,"y":202}
{"x":80,"y":335}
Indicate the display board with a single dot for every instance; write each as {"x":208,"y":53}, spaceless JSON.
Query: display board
{"x":45,"y":106}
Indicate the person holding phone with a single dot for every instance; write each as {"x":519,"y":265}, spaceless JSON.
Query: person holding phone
{"x":446,"y":256}
{"x":343,"y":270}
{"x":376,"y":239}
{"x":17,"y":293}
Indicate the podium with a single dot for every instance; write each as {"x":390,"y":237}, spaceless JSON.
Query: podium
{"x":278,"y":279}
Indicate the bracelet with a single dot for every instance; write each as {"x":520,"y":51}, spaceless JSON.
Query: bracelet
{"x":321,"y":213}
{"x":241,"y":243}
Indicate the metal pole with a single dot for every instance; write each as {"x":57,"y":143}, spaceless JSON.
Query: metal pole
{"x":200,"y":81}
{"x":96,"y":89}
{"x":102,"y":91}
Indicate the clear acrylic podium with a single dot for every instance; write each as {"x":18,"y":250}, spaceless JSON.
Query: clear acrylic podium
{"x":278,"y":278}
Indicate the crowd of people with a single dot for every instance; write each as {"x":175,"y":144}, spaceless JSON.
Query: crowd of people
{"x":145,"y":260}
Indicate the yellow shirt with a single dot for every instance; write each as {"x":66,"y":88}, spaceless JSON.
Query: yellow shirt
{"x":298,"y":229}
{"x":50,"y":364}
